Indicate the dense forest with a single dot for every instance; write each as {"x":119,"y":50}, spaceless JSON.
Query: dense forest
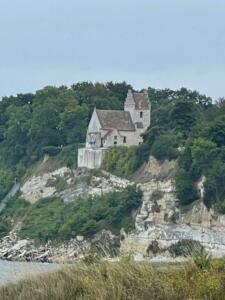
{"x":186,"y":126}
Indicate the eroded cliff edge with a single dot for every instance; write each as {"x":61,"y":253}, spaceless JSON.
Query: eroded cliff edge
{"x":160,"y":222}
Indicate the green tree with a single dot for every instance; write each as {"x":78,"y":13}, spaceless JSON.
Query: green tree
{"x":185,"y":188}
{"x":202,"y":153}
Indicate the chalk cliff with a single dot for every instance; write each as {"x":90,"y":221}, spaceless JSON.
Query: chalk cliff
{"x":160,"y":222}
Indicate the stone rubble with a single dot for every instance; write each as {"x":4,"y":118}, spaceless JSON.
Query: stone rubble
{"x":76,"y":183}
{"x":12,"y":248}
{"x":37,"y":187}
{"x":160,"y":218}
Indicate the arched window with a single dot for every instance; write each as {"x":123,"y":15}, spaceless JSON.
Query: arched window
{"x":141,"y":114}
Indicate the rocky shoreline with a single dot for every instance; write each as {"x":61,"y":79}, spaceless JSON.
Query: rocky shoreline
{"x":12,"y":248}
{"x":160,"y":223}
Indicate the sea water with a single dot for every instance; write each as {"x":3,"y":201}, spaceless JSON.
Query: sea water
{"x":12,"y":271}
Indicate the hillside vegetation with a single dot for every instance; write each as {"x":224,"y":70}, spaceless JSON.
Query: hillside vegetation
{"x":188,"y":127}
{"x":123,"y":280}
{"x":52,"y":219}
{"x":185,"y":126}
{"x":53,"y":121}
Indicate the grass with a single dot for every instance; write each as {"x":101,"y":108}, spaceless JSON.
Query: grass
{"x":122,"y":280}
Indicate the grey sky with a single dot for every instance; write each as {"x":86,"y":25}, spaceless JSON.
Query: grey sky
{"x":161,"y":43}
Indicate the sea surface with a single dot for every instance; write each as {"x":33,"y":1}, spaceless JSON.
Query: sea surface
{"x":12,"y":271}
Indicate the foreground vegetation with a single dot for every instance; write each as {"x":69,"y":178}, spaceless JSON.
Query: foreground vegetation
{"x":123,"y":280}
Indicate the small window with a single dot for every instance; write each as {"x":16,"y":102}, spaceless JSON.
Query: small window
{"x":141,"y":114}
{"x":115,"y":143}
{"x":124,"y":139}
{"x":115,"y":137}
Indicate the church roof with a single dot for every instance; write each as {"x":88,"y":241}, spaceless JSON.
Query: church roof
{"x":117,"y":119}
{"x":141,"y":100}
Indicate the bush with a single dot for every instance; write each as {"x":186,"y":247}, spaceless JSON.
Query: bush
{"x":68,"y":155}
{"x":120,"y":161}
{"x":185,"y":189}
{"x":203,"y":152}
{"x":186,"y":248}
{"x":166,"y":147}
{"x":51,"y":150}
{"x":4,"y":228}
{"x":15,"y":209}
{"x":215,"y":184}
{"x":53,"y":219}
{"x":6,"y":180}
{"x":43,"y":220}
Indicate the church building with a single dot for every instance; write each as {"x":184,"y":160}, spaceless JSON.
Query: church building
{"x":110,"y":128}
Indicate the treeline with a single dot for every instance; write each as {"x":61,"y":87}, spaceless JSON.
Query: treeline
{"x":185,"y":125}
{"x":50,"y":121}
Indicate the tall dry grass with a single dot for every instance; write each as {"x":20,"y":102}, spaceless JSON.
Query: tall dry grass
{"x":122,"y":280}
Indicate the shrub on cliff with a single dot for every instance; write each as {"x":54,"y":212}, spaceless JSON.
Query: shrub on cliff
{"x":51,"y":218}
{"x":120,"y":161}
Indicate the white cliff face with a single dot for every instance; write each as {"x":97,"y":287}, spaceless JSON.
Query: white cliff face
{"x":70,"y":184}
{"x":37,"y":187}
{"x":161,"y":218}
{"x":159,"y":204}
{"x":86,"y":184}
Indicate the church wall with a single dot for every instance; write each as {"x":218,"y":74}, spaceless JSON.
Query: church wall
{"x":90,"y":158}
{"x":94,"y":126}
{"x":145,"y":117}
{"x":132,"y":138}
{"x":98,"y":140}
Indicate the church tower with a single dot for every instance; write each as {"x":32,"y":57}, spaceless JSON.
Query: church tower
{"x":139,"y":106}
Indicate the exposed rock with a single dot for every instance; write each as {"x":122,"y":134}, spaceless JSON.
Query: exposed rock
{"x":20,"y":244}
{"x":104,"y":244}
{"x":79,"y":238}
{"x":166,"y":235}
{"x":200,"y":186}
{"x":161,"y":222}
{"x":154,"y":169}
{"x":159,"y":204}
{"x":37,"y":187}
{"x":69,"y":184}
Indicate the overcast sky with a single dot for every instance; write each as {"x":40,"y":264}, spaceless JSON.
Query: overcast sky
{"x":158,"y":43}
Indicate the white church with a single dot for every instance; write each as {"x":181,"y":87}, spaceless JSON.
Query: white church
{"x":110,"y":128}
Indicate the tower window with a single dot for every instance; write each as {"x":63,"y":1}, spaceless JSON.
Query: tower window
{"x":115,"y":137}
{"x":124,"y":139}
{"x":141,"y":114}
